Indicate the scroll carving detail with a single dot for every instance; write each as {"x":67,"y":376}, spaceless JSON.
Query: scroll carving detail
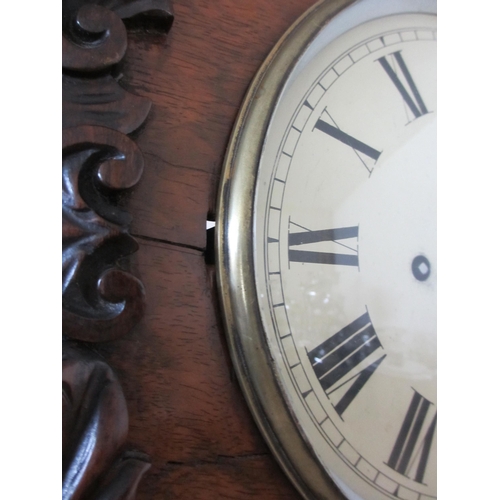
{"x":95,"y":426}
{"x":101,"y":299}
{"x":99,"y":303}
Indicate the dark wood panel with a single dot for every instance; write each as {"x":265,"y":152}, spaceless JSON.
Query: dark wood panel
{"x":196,"y":79}
{"x":186,"y":410}
{"x":228,"y":478}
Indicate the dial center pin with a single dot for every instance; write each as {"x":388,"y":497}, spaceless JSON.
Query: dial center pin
{"x":421,"y":268}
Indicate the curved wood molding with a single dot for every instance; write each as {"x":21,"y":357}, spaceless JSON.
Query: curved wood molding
{"x":95,"y":426}
{"x":101,"y":300}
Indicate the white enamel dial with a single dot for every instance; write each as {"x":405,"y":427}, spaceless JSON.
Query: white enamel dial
{"x":345,"y":256}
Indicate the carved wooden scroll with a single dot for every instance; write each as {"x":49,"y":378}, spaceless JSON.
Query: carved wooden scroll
{"x":101,"y":299}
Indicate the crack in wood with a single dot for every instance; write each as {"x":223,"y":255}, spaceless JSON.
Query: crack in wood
{"x":168,"y":242}
{"x":219,"y":459}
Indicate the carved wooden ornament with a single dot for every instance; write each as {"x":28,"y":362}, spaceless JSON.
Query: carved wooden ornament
{"x":101,"y":300}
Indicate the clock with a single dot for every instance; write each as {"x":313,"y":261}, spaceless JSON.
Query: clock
{"x":326,"y":250}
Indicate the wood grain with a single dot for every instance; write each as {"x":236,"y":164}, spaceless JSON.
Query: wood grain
{"x":186,"y":410}
{"x":196,"y":79}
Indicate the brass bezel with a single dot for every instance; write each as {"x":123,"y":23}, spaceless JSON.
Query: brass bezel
{"x":235,"y":265}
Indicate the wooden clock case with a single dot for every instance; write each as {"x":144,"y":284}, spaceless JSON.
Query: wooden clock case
{"x":148,"y":107}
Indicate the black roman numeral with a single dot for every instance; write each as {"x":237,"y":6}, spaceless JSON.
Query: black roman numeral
{"x":335,"y":235}
{"x":339,"y":356}
{"x":414,"y":101}
{"x":347,"y":139}
{"x":411,"y":434}
{"x":358,"y":146}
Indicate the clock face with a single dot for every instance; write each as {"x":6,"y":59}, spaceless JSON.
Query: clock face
{"x":344,"y":250}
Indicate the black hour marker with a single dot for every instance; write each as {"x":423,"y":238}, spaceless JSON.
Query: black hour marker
{"x":412,"y":432}
{"x":414,"y":102}
{"x":339,"y":355}
{"x":335,"y":235}
{"x":356,"y":386}
{"x":347,"y":139}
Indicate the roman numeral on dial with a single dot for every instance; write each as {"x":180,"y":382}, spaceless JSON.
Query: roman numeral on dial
{"x":411,"y":450}
{"x":297,"y":239}
{"x":327,"y":125}
{"x":414,"y":101}
{"x":336,"y":361}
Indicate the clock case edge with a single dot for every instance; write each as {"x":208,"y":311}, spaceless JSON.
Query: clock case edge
{"x":234,"y":260}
